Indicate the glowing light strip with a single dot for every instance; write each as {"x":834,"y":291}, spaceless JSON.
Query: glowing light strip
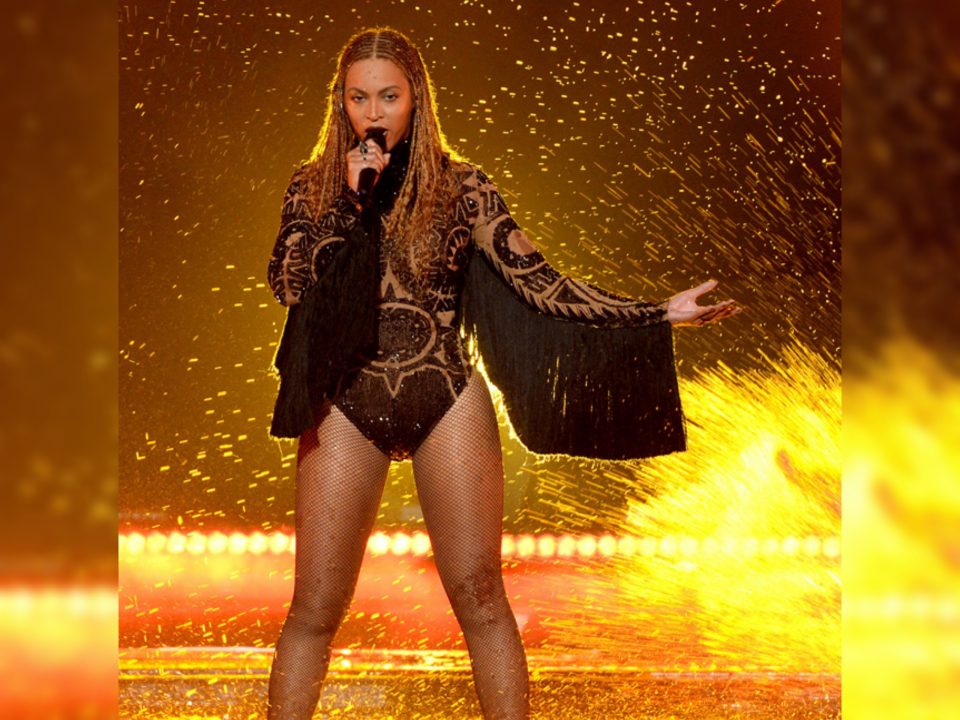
{"x":897,"y":607}
{"x":513,"y":546}
{"x":58,"y":602}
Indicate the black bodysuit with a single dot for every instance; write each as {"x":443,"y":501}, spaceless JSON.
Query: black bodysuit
{"x":420,"y":367}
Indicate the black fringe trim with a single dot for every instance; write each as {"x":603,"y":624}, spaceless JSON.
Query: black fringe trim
{"x":334,"y":321}
{"x":573,"y":388}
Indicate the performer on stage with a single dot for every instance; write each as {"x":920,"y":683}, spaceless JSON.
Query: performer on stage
{"x":401,"y":267}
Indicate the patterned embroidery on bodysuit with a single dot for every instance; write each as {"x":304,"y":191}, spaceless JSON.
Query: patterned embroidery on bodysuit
{"x":304,"y":246}
{"x":396,"y":398}
{"x":420,"y":367}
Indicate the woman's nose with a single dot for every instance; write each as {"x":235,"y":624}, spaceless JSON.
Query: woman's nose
{"x":373,"y":110}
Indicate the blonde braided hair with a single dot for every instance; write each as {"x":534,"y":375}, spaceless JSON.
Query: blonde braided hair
{"x":429,"y":185}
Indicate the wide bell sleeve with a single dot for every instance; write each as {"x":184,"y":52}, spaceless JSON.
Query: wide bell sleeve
{"x":583,"y":371}
{"x":325,"y":271}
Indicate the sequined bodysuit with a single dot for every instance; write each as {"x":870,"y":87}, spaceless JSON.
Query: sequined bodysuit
{"x":420,"y":367}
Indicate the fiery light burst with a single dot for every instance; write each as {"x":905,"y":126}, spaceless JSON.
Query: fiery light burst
{"x":747,"y":573}
{"x":902,"y":529}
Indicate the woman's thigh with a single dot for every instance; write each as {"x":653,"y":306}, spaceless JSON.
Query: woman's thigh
{"x":340,"y":479}
{"x":458,"y":471}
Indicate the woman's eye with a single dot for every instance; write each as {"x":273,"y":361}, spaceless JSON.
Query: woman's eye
{"x":357,"y":98}
{"x":391,"y":97}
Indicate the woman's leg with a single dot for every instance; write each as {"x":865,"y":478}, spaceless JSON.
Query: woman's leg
{"x":459,"y":475}
{"x":340,"y":479}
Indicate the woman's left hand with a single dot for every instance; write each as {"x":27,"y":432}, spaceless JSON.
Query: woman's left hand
{"x":682,"y":308}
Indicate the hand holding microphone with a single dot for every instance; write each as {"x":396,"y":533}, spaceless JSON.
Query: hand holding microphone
{"x":366,"y":161}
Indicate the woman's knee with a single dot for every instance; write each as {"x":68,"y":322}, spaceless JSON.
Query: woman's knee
{"x":320,"y":610}
{"x":479,"y":598}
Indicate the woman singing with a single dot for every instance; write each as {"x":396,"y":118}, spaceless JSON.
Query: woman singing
{"x":373,"y":365}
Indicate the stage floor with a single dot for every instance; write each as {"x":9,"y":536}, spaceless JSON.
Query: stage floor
{"x":229,"y":683}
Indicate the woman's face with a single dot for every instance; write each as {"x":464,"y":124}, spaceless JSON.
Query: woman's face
{"x":376,"y":94}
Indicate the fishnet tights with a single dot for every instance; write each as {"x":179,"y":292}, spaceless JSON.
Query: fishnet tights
{"x":459,"y":476}
{"x":340,"y":479}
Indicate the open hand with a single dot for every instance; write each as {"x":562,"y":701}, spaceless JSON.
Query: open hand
{"x":682,"y":308}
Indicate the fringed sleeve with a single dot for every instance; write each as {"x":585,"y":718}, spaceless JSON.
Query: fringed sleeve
{"x":326,"y":273}
{"x":583,"y":372}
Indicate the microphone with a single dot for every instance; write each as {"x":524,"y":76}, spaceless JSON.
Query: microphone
{"x":368,"y":176}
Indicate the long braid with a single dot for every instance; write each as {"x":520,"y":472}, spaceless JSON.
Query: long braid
{"x":429,"y":182}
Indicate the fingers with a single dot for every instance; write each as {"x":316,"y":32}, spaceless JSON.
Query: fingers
{"x":685,"y":310}
{"x":718,"y":312}
{"x":705,"y":287}
{"x":712,"y":313}
{"x":365,"y":155}
{"x":373,"y":156}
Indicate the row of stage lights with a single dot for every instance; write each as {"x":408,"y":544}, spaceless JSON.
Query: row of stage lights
{"x":513,"y":546}
{"x":58,"y":604}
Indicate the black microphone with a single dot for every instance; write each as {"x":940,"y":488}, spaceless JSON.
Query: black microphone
{"x":368,"y":176}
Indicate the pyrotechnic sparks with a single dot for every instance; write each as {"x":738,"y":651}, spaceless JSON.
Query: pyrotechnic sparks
{"x":640,"y":146}
{"x":737,"y":590}
{"x":902,"y":504}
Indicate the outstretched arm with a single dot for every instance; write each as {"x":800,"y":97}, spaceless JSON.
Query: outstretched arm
{"x":538,"y":284}
{"x":304,"y":247}
{"x":542,"y":287}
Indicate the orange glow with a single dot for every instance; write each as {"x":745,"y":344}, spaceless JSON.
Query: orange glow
{"x":587,"y":546}
{"x":238,"y":543}
{"x":400,"y":544}
{"x":156,"y":543}
{"x":257,"y":543}
{"x":217,"y":543}
{"x":902,"y":459}
{"x":378,"y":544}
{"x":421,"y":544}
{"x":526,"y":546}
{"x":546,"y":546}
{"x":176,"y":542}
{"x":279,"y":542}
{"x":196,"y":543}
{"x":60,"y":648}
